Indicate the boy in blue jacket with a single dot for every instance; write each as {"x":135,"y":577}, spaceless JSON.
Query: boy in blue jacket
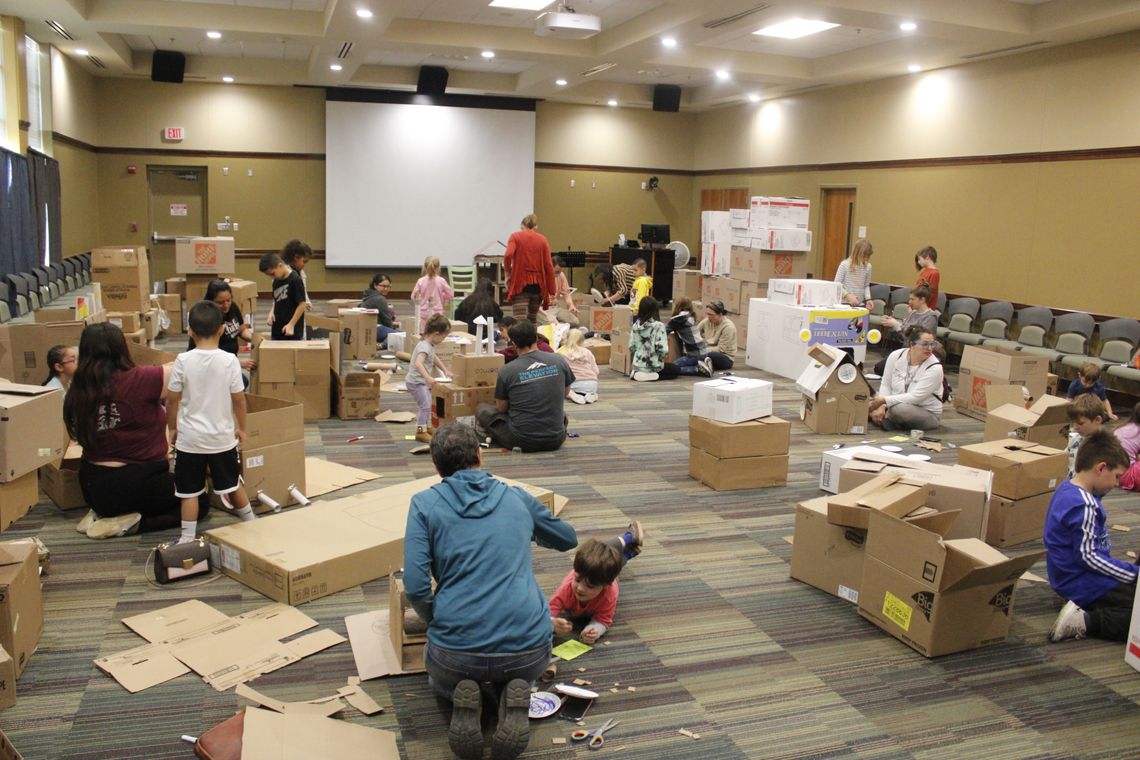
{"x":1099,"y":589}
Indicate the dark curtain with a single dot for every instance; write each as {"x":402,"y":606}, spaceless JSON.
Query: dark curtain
{"x":18,"y":250}
{"x":45,"y":198}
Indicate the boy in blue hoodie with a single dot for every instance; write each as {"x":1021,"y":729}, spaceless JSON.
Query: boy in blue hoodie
{"x":488,"y":622}
{"x":1099,"y":589}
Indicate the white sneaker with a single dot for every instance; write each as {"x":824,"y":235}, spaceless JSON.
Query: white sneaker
{"x":111,"y":527}
{"x":598,"y":297}
{"x":705,"y":367}
{"x":591,"y":398}
{"x":645,"y":377}
{"x":1070,"y":624}
{"x":577,"y":398}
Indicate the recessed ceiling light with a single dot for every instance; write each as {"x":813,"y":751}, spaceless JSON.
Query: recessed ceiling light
{"x":754,"y":98}
{"x":363,"y":13}
{"x":525,"y":5}
{"x":669,"y":42}
{"x":488,"y":54}
{"x":227,"y":79}
{"x":611,"y":102}
{"x":722,"y":75}
{"x":914,"y":68}
{"x":336,"y":67}
{"x":560,"y":82}
{"x":214,"y":35}
{"x":908,"y":26}
{"x":81,"y":51}
{"x":794,"y":28}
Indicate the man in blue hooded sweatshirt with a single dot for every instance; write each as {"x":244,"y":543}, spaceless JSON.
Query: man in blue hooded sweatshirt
{"x":488,"y":621}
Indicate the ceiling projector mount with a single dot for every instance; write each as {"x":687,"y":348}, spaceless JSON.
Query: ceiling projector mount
{"x":567,"y":23}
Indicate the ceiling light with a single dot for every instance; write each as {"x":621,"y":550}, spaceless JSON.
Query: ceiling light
{"x":488,"y":54}
{"x":81,"y":51}
{"x":914,"y":68}
{"x":560,"y":82}
{"x":793,"y":29}
{"x":611,"y":102}
{"x":754,"y":98}
{"x":214,"y":35}
{"x":908,"y":26}
{"x":524,"y":5}
{"x":669,"y":42}
{"x":722,"y":75}
{"x":363,"y":13}
{"x":336,"y":67}
{"x":227,"y":80}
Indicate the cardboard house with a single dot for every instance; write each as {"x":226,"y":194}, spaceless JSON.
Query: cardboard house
{"x":835,"y":393}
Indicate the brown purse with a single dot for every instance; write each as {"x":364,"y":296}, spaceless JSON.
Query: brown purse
{"x":223,"y":741}
{"x":175,"y":562}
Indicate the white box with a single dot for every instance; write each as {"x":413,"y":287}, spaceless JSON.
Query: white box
{"x":716,"y":227}
{"x":781,"y":240}
{"x":831,"y":461}
{"x":1132,"y":645}
{"x":779,"y":334}
{"x":397,"y":342}
{"x":741,"y":238}
{"x":715,"y":258}
{"x":775,"y":212}
{"x":805,"y":292}
{"x":739,"y":218}
{"x":731,"y":400}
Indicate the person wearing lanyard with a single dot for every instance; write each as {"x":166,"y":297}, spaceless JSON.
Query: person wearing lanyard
{"x":910,"y":396}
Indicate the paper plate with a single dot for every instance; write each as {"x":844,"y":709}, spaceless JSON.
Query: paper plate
{"x":919,"y":457}
{"x":575,"y":691}
{"x":892,"y":449}
{"x":543,"y":704}
{"x":389,"y":357}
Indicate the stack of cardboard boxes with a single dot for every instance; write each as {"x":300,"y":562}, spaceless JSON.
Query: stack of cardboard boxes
{"x":295,"y":370}
{"x":28,"y":440}
{"x":1025,"y":476}
{"x":992,"y":376}
{"x":123,"y":275}
{"x":616,"y":322}
{"x":734,"y":441}
{"x":473,"y":378}
{"x":273,"y":457}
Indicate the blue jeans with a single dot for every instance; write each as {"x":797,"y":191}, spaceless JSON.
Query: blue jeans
{"x":688,"y":364}
{"x":382,"y":333}
{"x":584,"y":386}
{"x":447,"y":667}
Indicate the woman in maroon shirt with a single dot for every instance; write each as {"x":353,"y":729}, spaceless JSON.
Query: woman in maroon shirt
{"x":529,"y":270}
{"x":115,"y":410}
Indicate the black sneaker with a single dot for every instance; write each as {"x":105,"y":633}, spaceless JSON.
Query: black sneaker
{"x":513,"y":732}
{"x":465,"y":736}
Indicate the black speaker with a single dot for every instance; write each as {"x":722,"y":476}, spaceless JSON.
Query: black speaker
{"x":433,"y":80}
{"x":667,"y":97}
{"x":167,"y":66}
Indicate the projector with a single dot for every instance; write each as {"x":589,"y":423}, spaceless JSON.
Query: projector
{"x":574,"y":26}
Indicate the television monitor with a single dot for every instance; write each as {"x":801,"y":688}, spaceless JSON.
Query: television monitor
{"x":654,"y":234}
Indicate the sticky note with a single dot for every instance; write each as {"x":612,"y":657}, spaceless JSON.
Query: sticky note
{"x":571,"y":649}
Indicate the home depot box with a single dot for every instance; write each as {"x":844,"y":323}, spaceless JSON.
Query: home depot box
{"x":26,"y":442}
{"x":829,"y":557}
{"x":123,"y":275}
{"x":738,"y":472}
{"x":450,"y":401}
{"x":600,"y":348}
{"x":295,"y":370}
{"x":715,"y":258}
{"x":723,"y":289}
{"x":781,"y":240}
{"x":602,"y":319}
{"x":17,"y":497}
{"x":937,"y":596}
{"x":836,"y":396}
{"x":732,"y":399}
{"x":1021,"y":468}
{"x":754,"y":265}
{"x":687,"y":283}
{"x":273,"y":457}
{"x":805,"y":292}
{"x":23,"y":353}
{"x":470,"y":370}
{"x":983,"y":366}
{"x":21,"y":601}
{"x":204,"y":255}
{"x":171,"y":303}
{"x":767,"y":436}
{"x":59,"y":480}
{"x":1045,"y":422}
{"x":7,"y":690}
{"x":358,"y":395}
{"x":1015,"y":521}
{"x":890,"y":493}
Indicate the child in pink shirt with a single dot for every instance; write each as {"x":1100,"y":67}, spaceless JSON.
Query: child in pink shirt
{"x":432,"y":294}
{"x":589,"y":592}
{"x":584,"y":389}
{"x":1129,"y":436}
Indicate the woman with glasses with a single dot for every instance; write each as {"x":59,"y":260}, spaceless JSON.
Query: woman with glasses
{"x":910,"y":396}
{"x":376,"y":297}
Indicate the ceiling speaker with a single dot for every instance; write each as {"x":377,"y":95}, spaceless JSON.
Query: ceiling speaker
{"x":433,"y":80}
{"x":667,"y":97}
{"x":167,"y":66}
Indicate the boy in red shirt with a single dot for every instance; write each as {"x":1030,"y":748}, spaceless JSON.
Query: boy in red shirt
{"x":926,"y":262}
{"x":589,"y":592}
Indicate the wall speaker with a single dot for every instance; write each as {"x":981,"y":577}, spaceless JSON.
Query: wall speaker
{"x":167,"y":66}
{"x":433,"y":80}
{"x":667,"y":97}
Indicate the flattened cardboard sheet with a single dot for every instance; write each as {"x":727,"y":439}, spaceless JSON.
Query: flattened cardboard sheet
{"x":371,"y":643}
{"x":323,"y":476}
{"x":273,"y":736}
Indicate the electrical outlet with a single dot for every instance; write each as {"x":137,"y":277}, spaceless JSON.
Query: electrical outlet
{"x":571,"y":183}
{"x":235,"y":226}
{"x":862,"y":230}
{"x":225,"y":171}
{"x":249,"y":172}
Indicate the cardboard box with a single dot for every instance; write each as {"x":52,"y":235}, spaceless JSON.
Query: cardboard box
{"x":1021,"y":468}
{"x":716,"y":226}
{"x":273,"y":457}
{"x":26,"y":442}
{"x":59,"y":480}
{"x":738,"y":218}
{"x":127,"y":321}
{"x":123,"y":275}
{"x":937,"y":596}
{"x":7,"y":689}
{"x":176,"y":286}
{"x":150,"y":323}
{"x":171,"y":303}
{"x":450,"y":401}
{"x":1051,"y":382}
{"x":741,"y":322}
{"x":732,"y":399}
{"x":470,"y":370}
{"x":781,"y":240}
{"x":295,"y":370}
{"x":889,"y":493}
{"x":600,"y":348}
{"x":7,"y":751}
{"x":245,"y":296}
{"x":17,"y":497}
{"x":1046,"y":422}
{"x":723,"y":289}
{"x":779,"y":212}
{"x":767,"y":436}
{"x":334,"y":305}
{"x":687,"y":283}
{"x":204,"y":255}
{"x":739,"y":472}
{"x":1015,"y":521}
{"x":601,"y":319}
{"x":750,"y":290}
{"x":357,"y":334}
{"x":749,"y":264}
{"x":409,"y":648}
{"x":829,"y":557}
{"x":836,"y":396}
{"x":138,"y":336}
{"x":620,"y":358}
{"x":801,"y":292}
{"x":715,"y":258}
{"x":983,"y":366}
{"x":196,"y":285}
{"x":21,"y":600}
{"x":832,"y":461}
{"x":23,"y":353}
{"x":358,"y":395}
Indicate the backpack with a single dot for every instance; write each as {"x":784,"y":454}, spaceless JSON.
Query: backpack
{"x":946,"y":392}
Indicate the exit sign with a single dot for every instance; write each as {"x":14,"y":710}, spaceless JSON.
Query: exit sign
{"x":175,"y":134}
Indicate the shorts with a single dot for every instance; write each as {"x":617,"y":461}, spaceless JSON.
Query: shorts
{"x":190,"y":472}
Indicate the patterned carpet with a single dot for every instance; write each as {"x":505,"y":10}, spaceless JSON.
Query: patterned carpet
{"x":711,"y":633}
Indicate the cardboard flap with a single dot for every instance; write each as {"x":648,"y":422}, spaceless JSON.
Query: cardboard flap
{"x":145,"y":356}
{"x":175,"y":623}
{"x":30,"y":391}
{"x":825,"y":360}
{"x":323,"y":476}
{"x":936,"y":522}
{"x":14,"y":553}
{"x":1000,"y":395}
{"x":910,"y":549}
{"x":1015,"y":413}
{"x":371,"y":638}
{"x":1051,"y":410}
{"x":142,"y":667}
{"x":272,"y":736}
{"x":982,"y":573}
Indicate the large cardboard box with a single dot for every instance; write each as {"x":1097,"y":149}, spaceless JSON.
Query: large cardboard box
{"x":123,"y":275}
{"x":357,"y":333}
{"x":138,"y":336}
{"x":778,"y":212}
{"x":715,"y":258}
{"x":600,"y":348}
{"x":196,"y":285}
{"x":937,"y":596}
{"x":1021,"y":469}
{"x":800,"y":292}
{"x":687,"y":283}
{"x":738,"y":472}
{"x":26,"y":441}
{"x":602,"y":319}
{"x":471,"y":370}
{"x":781,"y":240}
{"x":1015,"y":521}
{"x":245,"y":296}
{"x":732,"y":399}
{"x":295,"y":370}
{"x":620,"y":359}
{"x":21,"y":600}
{"x":17,"y":497}
{"x":741,"y":322}
{"x":127,"y":321}
{"x":836,"y":396}
{"x":358,"y":395}
{"x":767,"y":436}
{"x":829,"y":557}
{"x":59,"y":480}
{"x":450,"y":401}
{"x":1045,"y":422}
{"x":204,"y":255}
{"x":716,"y":226}
{"x":273,"y":457}
{"x":983,"y":366}
{"x":334,"y":305}
{"x":7,"y":688}
{"x":723,"y":289}
{"x":23,"y":353}
{"x":176,"y":286}
{"x":832,"y":461}
{"x":757,"y":266}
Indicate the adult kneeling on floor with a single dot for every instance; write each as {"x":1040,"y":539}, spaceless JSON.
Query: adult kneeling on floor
{"x":910,"y":396}
{"x":489,"y":629}
{"x":529,"y":396}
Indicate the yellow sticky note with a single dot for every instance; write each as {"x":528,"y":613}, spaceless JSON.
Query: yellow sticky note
{"x":571,"y":649}
{"x":897,"y":611}
{"x":900,"y":437}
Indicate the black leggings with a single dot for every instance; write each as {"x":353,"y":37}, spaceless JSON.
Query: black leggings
{"x":1110,"y":616}
{"x":144,"y":488}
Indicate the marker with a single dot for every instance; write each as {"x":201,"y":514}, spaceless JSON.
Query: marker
{"x":190,"y":739}
{"x":355,"y":438}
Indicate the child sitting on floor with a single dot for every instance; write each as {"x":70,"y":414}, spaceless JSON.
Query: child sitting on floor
{"x":1086,"y":416}
{"x":1129,"y":436}
{"x":1088,"y":381}
{"x":584,"y":389}
{"x":589,"y":592}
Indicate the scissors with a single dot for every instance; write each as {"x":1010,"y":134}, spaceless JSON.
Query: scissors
{"x":595,"y":736}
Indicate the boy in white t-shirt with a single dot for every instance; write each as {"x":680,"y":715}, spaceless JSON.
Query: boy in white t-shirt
{"x":204,"y":402}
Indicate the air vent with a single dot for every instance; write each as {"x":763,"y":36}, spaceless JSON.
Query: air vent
{"x":597,"y":69}
{"x":58,"y":29}
{"x":345,"y":49}
{"x":1000,"y":51}
{"x":718,"y":23}
{"x":96,"y":62}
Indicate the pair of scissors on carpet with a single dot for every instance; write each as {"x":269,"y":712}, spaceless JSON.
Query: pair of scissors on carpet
{"x":595,"y":736}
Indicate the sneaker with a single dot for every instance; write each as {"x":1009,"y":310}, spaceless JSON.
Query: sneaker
{"x":111,"y":527}
{"x":1071,"y":623}
{"x":465,"y":736}
{"x":591,"y":398}
{"x":184,"y":540}
{"x":87,"y":521}
{"x":578,"y":398}
{"x":513,"y":732}
{"x":422,"y":435}
{"x":645,"y":377}
{"x":705,"y":367}
{"x":597,"y":294}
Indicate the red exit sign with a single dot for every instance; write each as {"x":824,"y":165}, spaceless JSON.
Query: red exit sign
{"x":175,"y":133}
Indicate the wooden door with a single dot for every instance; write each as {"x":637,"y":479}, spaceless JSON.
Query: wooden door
{"x":724,"y":199}
{"x":177,"y":208}
{"x":838,"y":233}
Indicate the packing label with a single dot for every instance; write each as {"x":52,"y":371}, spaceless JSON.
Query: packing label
{"x":256,"y":461}
{"x":897,"y":611}
{"x":849,"y":594}
{"x":231,"y":558}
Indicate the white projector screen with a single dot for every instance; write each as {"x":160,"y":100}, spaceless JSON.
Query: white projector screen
{"x":404,"y":182}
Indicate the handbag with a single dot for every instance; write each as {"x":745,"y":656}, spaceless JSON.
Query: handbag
{"x":223,"y":741}
{"x":175,"y":562}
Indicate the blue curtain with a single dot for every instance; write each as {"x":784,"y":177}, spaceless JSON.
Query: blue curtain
{"x":18,"y":234}
{"x":45,"y":199}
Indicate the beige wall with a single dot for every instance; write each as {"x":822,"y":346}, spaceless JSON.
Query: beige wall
{"x":604,"y":136}
{"x":74,"y":100}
